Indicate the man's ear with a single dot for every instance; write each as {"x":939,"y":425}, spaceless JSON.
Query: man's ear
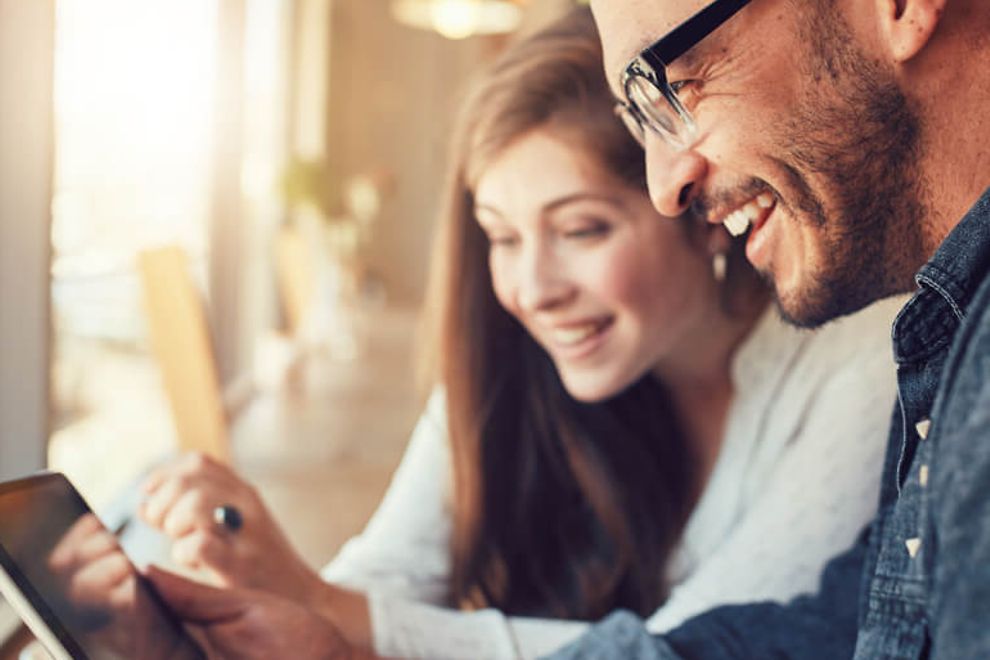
{"x":908,"y":25}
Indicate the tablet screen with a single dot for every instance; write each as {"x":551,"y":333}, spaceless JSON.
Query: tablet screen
{"x":69,"y":567}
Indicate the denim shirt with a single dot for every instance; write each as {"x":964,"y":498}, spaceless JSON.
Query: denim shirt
{"x":917,"y":583}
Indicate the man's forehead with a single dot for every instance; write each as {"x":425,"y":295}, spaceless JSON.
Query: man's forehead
{"x":629,"y":26}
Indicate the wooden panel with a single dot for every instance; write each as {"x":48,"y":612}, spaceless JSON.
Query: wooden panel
{"x":180,"y":339}
{"x":296,"y":276}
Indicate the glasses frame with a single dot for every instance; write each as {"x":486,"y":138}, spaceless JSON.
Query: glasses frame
{"x":651,"y":65}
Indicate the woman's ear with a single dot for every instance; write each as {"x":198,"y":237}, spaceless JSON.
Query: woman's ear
{"x":906,"y":26}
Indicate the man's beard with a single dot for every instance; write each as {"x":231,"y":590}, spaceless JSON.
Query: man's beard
{"x":857,"y":136}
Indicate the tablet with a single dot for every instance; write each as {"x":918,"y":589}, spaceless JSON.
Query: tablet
{"x":63,"y":573}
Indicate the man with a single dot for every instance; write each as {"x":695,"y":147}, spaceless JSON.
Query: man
{"x":849,"y":137}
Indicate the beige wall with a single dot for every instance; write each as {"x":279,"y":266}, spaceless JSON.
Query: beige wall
{"x":392,"y":95}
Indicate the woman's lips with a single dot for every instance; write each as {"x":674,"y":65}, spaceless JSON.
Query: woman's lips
{"x":579,"y":339}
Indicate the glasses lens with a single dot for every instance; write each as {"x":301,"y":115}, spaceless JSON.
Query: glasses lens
{"x":632,"y":123}
{"x":655,"y":107}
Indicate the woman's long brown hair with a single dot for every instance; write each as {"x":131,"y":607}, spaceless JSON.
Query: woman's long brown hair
{"x":560,"y":508}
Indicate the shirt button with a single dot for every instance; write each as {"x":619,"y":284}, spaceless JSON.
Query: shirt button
{"x":913,"y":546}
{"x":923,"y":476}
{"x":922,"y":428}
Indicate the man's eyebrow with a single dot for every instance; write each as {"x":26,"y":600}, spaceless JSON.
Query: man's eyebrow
{"x":688,"y":60}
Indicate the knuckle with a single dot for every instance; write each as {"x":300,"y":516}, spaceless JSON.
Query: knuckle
{"x":198,"y":500}
{"x":195,"y":462}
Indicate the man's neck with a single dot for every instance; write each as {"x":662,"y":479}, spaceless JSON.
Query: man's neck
{"x":952,"y":91}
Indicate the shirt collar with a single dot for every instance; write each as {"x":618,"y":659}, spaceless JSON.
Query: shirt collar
{"x":946,"y":285}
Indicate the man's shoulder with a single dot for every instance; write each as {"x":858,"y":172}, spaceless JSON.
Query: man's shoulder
{"x":979,"y":308}
{"x":972,"y":349}
{"x":966,"y":379}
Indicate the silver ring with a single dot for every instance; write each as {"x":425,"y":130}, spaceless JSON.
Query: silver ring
{"x":228,"y":517}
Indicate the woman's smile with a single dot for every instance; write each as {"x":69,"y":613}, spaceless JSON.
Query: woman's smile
{"x":579,"y":339}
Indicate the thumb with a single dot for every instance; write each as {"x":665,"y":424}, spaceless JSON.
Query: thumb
{"x":195,"y":602}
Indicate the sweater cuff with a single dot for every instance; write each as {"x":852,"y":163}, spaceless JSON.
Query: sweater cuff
{"x":408,"y":629}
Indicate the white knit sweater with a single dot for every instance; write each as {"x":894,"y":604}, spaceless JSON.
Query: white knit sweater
{"x":796,"y":479}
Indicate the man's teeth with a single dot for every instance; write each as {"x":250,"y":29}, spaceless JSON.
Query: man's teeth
{"x":572,"y":336}
{"x":736,"y":222}
{"x":739,"y":220}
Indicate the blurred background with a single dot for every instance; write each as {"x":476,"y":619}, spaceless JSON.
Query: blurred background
{"x":215,"y":221}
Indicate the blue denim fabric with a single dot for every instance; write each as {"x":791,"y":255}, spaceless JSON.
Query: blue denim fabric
{"x":880,"y":600}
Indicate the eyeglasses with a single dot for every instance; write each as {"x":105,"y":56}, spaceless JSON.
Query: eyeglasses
{"x":652,"y":102}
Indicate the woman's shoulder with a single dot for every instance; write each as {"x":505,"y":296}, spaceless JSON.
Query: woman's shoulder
{"x":435,"y":410}
{"x":781,"y":363}
{"x":857,"y":340}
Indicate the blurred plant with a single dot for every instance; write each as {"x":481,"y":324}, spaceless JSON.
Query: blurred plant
{"x":346,"y":206}
{"x":339,"y":215}
{"x":313,"y":184}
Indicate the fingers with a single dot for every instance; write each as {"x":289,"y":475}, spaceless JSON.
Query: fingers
{"x":242,"y":623}
{"x":85,"y":543}
{"x":182,"y":494}
{"x":203,"y":549}
{"x":195,"y":602}
{"x":103,"y":582}
{"x":197,"y":541}
{"x":157,"y":505}
{"x":65,"y":552}
{"x":190,"y":511}
{"x":192,"y":463}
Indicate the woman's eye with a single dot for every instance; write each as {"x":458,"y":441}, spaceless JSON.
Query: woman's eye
{"x":502,"y":241}
{"x":589,"y":231}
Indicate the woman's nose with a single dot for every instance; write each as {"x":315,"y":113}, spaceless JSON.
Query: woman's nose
{"x":543,"y":284}
{"x":674,"y":177}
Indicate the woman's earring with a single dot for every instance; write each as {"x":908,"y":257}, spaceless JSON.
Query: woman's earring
{"x":718,"y":266}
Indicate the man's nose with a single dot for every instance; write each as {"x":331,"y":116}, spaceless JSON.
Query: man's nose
{"x":674,"y":177}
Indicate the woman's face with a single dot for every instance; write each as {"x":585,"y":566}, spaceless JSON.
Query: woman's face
{"x":606,"y":286}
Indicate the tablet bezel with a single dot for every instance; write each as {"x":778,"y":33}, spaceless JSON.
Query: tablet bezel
{"x":31,"y":605}
{"x":21,"y":594}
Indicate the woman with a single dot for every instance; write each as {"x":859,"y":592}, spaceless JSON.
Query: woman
{"x":620,"y":420}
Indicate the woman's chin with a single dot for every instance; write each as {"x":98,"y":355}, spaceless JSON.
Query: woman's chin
{"x":592,"y":386}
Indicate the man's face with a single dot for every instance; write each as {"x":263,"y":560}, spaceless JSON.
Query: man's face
{"x":799,"y":129}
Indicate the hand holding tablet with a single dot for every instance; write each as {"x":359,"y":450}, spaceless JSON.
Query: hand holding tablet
{"x":248,"y":624}
{"x":69,"y":580}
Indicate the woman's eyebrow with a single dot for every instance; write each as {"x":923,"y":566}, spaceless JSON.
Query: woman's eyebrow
{"x":574,"y":198}
{"x":488,"y":208}
{"x":558,"y":203}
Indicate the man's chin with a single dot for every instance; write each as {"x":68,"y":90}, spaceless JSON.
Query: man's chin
{"x":814,"y":307}
{"x":801,"y":317}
